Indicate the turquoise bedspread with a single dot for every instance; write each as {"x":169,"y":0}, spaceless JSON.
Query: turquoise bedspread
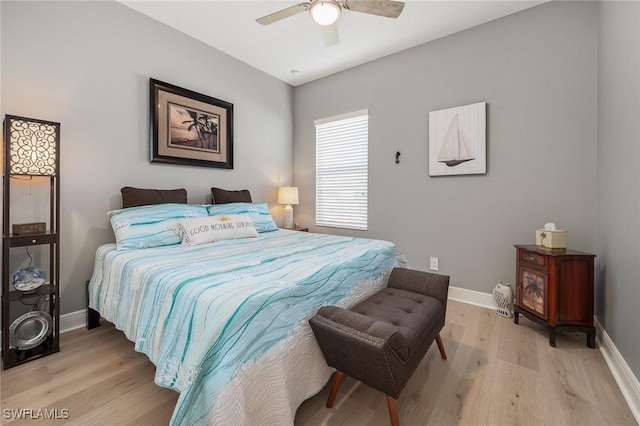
{"x":201,"y":313}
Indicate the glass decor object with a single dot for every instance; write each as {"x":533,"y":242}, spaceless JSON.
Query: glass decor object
{"x":288,"y":195}
{"x":33,"y":147}
{"x":503,"y":294}
{"x":27,"y":279}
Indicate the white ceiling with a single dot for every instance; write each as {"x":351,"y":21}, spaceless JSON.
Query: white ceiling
{"x":296,"y":43}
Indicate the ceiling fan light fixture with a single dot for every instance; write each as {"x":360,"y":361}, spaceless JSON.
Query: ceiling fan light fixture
{"x":325,"y":12}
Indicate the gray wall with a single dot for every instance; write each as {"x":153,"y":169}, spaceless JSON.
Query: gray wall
{"x":537,"y":72}
{"x":87,"y":65}
{"x":618,"y":226}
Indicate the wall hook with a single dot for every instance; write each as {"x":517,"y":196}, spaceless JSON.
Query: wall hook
{"x":397,"y":157}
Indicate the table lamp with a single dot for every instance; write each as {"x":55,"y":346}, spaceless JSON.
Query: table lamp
{"x":288,"y":195}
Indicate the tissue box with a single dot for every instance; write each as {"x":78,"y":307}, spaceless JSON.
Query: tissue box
{"x":551,"y":239}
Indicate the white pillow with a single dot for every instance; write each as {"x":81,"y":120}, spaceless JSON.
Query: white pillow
{"x":151,"y":226}
{"x":201,"y":230}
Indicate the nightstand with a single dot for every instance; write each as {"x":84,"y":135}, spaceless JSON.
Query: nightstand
{"x":555,"y":288}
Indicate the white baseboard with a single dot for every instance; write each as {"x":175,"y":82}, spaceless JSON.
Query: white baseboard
{"x":73,"y":320}
{"x":626,"y":380}
{"x":484,"y":300}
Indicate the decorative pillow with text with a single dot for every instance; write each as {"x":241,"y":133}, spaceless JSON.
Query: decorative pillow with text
{"x":259,"y":213}
{"x":203,"y":230}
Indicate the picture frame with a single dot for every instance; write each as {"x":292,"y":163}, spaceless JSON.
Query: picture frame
{"x":189,"y":128}
{"x":458,"y":140}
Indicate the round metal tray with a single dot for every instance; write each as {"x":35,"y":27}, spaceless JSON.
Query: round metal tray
{"x":30,"y":330}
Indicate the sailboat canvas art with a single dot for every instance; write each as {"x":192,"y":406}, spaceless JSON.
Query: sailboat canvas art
{"x":457,"y":140}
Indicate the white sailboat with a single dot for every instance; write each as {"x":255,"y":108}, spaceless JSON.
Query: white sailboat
{"x":454,"y":148}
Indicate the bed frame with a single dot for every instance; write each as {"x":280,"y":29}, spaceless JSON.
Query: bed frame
{"x":93,"y":316}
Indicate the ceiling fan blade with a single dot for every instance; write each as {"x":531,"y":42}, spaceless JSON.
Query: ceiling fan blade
{"x":386,"y":8}
{"x":330,"y":33}
{"x":284,"y":13}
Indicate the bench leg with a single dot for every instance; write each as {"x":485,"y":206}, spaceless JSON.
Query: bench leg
{"x":337,"y":381}
{"x":393,"y":411}
{"x":443,"y":354}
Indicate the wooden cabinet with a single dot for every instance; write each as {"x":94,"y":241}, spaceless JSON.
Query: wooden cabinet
{"x":555,"y":287}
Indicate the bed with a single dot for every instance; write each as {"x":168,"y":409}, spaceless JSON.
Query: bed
{"x":226,"y":322}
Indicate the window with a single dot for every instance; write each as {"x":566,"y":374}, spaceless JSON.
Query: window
{"x":342,"y":145}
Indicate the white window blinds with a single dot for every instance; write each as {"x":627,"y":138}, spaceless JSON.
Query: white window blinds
{"x":342,"y":145}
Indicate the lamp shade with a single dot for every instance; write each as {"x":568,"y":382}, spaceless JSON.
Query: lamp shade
{"x":33,"y":146}
{"x":288,"y":195}
{"x":325,"y":12}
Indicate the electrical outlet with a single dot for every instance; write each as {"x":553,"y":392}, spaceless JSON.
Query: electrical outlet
{"x":433,"y":263}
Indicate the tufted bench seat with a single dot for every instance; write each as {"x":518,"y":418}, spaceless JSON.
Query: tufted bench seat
{"x":382,"y":340}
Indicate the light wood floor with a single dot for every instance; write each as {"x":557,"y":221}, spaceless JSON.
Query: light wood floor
{"x":497,"y":373}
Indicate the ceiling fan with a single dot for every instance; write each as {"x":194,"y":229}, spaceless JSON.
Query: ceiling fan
{"x":327,"y":12}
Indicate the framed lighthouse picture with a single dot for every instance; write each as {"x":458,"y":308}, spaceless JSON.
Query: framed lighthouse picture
{"x":458,"y":140}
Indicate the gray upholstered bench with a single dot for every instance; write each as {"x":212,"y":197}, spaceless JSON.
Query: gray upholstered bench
{"x":382,"y":340}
